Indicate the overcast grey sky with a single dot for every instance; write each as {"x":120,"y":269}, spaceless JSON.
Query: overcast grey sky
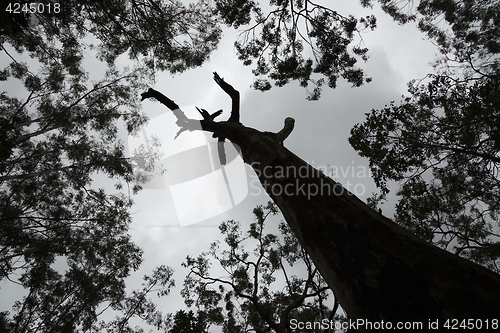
{"x":397,"y":53}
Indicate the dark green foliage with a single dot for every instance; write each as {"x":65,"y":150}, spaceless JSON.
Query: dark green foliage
{"x":188,"y":322}
{"x":247,"y":298}
{"x":235,"y":12}
{"x":64,"y":240}
{"x":471,"y":29}
{"x":6,"y":325}
{"x":297,"y":40}
{"x":443,"y":142}
{"x":63,"y":237}
{"x":164,"y":35}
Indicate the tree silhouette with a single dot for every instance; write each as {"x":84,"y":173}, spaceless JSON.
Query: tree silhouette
{"x":250,"y":296}
{"x":378,"y":270}
{"x":63,"y":238}
{"x":297,"y":40}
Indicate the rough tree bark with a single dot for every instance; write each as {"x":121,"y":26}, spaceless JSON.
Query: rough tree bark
{"x":377,"y":270}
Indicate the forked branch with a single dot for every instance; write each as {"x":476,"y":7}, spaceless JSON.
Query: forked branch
{"x":221,"y":130}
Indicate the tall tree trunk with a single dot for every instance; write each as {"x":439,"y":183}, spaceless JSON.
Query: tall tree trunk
{"x":377,"y":270}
